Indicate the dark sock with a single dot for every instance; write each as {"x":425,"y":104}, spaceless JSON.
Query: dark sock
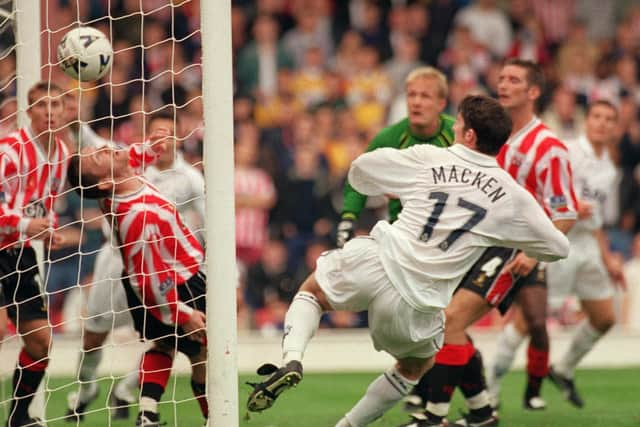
{"x":26,"y":379}
{"x":473,"y":383}
{"x":447,"y":373}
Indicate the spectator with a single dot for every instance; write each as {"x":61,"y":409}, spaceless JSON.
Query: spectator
{"x":255,"y":195}
{"x":488,"y":24}
{"x":259,"y":61}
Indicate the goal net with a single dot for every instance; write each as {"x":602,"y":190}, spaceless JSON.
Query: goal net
{"x":98,"y":271}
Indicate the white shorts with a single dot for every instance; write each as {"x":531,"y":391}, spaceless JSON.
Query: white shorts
{"x":107,"y":306}
{"x":353,"y":279}
{"x":582,"y":273}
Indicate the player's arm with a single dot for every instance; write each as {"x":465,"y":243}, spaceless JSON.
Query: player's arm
{"x":388,"y":171}
{"x":14,"y":226}
{"x":533,"y":232}
{"x":612,"y":262}
{"x":157,"y":288}
{"x":143,"y":154}
{"x":558,"y":193}
{"x":353,"y":200}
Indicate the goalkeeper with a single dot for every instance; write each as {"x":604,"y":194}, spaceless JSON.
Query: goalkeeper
{"x":426,"y":93}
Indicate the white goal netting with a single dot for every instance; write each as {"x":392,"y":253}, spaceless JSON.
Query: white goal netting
{"x":87,"y":342}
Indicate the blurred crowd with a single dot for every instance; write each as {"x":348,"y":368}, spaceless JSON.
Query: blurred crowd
{"x":314,"y":80}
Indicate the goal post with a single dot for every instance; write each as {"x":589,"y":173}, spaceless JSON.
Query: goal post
{"x":217,"y":98}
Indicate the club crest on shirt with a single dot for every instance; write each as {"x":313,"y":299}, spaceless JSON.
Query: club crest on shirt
{"x":165,"y":286}
{"x":558,"y":202}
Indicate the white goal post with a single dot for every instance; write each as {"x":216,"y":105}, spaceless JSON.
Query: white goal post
{"x":217,"y":96}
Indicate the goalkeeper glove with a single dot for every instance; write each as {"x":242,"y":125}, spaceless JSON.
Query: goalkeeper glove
{"x":345,"y":232}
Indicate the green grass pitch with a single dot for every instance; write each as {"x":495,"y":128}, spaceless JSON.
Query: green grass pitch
{"x":612,"y":400}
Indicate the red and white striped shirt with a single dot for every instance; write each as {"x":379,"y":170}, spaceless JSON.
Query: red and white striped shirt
{"x":159,"y":251}
{"x":537,"y":159}
{"x":251,"y":223}
{"x":29,"y":183}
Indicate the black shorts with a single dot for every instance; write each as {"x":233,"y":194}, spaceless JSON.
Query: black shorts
{"x":20,"y":281}
{"x":192,"y":292}
{"x":498,"y":287}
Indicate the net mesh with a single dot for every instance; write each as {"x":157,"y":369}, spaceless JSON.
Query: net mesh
{"x":156,"y":72}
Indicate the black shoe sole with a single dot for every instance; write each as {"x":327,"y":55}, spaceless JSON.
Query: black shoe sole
{"x":264,"y":396}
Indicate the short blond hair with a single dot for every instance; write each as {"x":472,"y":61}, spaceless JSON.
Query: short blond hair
{"x":430,"y":73}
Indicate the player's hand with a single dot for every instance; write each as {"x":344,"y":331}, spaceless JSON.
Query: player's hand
{"x":38,"y":228}
{"x":55,"y":241}
{"x":521,"y":265}
{"x":615,"y":266}
{"x":585,"y":209}
{"x":195,"y":326}
{"x":158,"y":140}
{"x":345,"y":232}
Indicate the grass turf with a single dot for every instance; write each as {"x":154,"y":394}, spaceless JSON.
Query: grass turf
{"x":320,"y":400}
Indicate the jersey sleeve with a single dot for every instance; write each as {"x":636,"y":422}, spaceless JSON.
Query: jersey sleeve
{"x":556,"y":182}
{"x":12,"y":222}
{"x":141,"y":155}
{"x":353,"y":200}
{"x":387,"y":171}
{"x":532,"y":231}
{"x":143,"y":252}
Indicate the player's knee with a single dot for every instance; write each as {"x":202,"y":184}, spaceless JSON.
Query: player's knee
{"x":92,"y":340}
{"x":603,"y":323}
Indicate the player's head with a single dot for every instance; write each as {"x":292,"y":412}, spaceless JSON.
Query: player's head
{"x":165,"y":119}
{"x":520,"y":83}
{"x":482,"y":123}
{"x":46,"y":107}
{"x":426,"y":90}
{"x":95,"y":170}
{"x":600,"y":124}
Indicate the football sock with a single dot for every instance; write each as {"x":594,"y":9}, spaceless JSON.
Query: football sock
{"x":384,"y":392}
{"x":508,"y":342}
{"x":300,"y":323}
{"x":446,"y":376}
{"x":584,"y":338}
{"x":88,"y":366}
{"x":200,"y":392}
{"x":154,"y":375}
{"x":422,"y":388}
{"x":474,"y":388}
{"x":537,"y":369}
{"x":126,"y":385}
{"x":26,"y":379}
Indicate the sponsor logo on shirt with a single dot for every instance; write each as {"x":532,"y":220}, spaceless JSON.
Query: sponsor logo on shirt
{"x":166,"y":286}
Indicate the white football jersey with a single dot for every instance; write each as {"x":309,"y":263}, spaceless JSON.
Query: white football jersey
{"x":593,"y":179}
{"x":456,"y":202}
{"x":183,"y":185}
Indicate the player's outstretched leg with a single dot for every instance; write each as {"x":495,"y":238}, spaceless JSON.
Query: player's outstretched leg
{"x":300,"y":324}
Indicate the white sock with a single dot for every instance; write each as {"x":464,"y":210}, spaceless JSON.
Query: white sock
{"x":384,"y":392}
{"x":148,"y":404}
{"x":507,"y":345}
{"x":124,"y":387}
{"x":300,"y":323}
{"x":478,"y":401}
{"x":583,"y":341}
{"x":87,"y":369}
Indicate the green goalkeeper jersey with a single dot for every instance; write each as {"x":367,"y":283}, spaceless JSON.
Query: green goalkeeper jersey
{"x":397,"y":135}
